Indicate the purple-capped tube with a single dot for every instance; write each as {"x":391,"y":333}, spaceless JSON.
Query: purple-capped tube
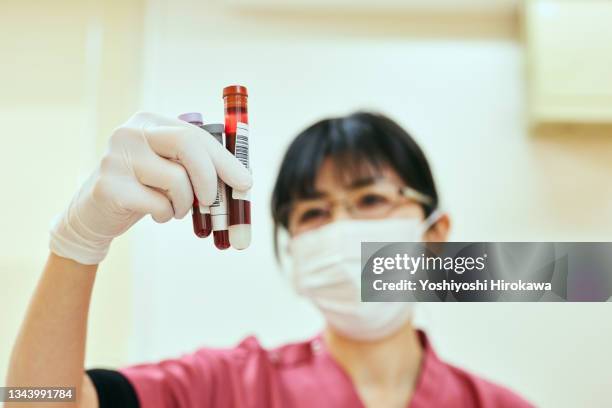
{"x":202,"y":224}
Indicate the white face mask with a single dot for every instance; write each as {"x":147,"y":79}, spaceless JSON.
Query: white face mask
{"x":327,"y":270}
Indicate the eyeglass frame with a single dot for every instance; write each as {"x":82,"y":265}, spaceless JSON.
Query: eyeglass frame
{"x":403,"y":192}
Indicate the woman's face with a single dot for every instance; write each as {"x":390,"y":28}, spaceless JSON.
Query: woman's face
{"x":372,"y":194}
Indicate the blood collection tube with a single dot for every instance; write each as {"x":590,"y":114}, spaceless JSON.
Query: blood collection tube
{"x":202,"y":225}
{"x":218,"y":209}
{"x":237,"y":141}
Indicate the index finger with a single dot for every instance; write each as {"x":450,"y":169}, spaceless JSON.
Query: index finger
{"x":202,"y":156}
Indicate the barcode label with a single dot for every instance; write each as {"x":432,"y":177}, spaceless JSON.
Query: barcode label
{"x":220,"y":193}
{"x":218,"y":209}
{"x":242,"y":143}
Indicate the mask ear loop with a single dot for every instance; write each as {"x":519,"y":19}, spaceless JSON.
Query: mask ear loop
{"x":284,"y":255}
{"x":432,"y":219}
{"x":424,"y":199}
{"x":286,"y":262}
{"x":425,"y":313}
{"x":424,"y":317}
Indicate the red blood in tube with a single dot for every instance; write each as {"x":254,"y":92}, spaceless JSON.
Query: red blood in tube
{"x":236,"y":133}
{"x":221,"y":239}
{"x":219,"y":209}
{"x":202,"y":224}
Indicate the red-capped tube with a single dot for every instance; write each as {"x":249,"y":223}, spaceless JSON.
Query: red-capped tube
{"x":200,"y":215}
{"x":218,"y":209}
{"x":237,"y":141}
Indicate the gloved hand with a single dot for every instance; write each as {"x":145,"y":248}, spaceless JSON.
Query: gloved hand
{"x":150,"y":167}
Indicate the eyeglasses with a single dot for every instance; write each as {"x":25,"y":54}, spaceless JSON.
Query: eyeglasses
{"x":376,"y":200}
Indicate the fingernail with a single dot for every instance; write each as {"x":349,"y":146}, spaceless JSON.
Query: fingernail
{"x":241,"y":195}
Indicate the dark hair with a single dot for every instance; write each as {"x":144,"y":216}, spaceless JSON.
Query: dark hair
{"x":356,"y":143}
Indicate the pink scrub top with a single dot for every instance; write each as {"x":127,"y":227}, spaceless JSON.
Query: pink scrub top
{"x":300,"y":375}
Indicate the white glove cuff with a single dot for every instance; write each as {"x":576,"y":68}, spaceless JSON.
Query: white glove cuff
{"x":71,"y":239}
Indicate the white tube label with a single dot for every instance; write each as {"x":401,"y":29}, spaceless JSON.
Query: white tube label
{"x":218,"y":209}
{"x":242,"y":154}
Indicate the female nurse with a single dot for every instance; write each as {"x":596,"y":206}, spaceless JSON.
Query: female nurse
{"x":342,"y":181}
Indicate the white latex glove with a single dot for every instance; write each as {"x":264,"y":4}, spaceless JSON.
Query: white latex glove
{"x":150,"y":167}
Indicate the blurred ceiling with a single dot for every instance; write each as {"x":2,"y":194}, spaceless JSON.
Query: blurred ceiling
{"x":445,"y":6}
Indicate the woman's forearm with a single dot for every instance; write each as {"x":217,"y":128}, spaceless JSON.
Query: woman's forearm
{"x":50,"y":348}
{"x":133,"y":179}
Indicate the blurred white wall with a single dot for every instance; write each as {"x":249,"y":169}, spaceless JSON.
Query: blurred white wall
{"x":69,"y":73}
{"x":459,"y":88}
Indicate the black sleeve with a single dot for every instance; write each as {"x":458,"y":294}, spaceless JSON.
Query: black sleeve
{"x":113,"y":389}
